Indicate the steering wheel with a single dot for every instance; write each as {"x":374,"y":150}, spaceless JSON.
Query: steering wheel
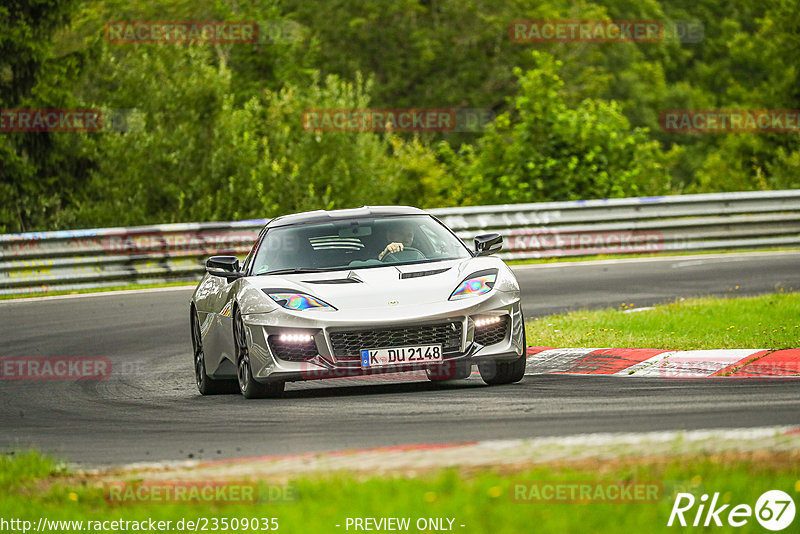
{"x":407,"y":254}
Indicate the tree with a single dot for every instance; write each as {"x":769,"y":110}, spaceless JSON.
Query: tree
{"x":39,"y":170}
{"x":544,"y":149}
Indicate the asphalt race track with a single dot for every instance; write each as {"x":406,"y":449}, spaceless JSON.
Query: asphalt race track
{"x":149,"y":408}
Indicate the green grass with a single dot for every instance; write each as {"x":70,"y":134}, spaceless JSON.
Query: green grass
{"x":482,"y":500}
{"x":20,"y":467}
{"x":596,"y":257}
{"x":768,"y":321}
{"x":97,"y":290}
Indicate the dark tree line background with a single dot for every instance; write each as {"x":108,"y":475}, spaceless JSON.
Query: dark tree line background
{"x":213,"y":132}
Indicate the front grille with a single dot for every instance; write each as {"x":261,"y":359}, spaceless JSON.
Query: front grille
{"x":492,"y":333}
{"x":348,"y":344}
{"x":292,"y":351}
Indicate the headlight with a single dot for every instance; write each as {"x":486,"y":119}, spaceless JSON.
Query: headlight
{"x":477,"y":284}
{"x":298,"y":301}
{"x":487,"y":320}
{"x":296,"y":338}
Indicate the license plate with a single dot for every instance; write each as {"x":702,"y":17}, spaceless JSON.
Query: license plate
{"x":382,"y":357}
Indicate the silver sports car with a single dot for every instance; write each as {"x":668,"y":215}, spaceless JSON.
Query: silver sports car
{"x":328,"y":294}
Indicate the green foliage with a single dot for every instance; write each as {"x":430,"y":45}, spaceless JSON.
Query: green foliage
{"x":544,"y":149}
{"x":170,"y":97}
{"x":747,"y":60}
{"x":38,"y":171}
{"x":214,"y":132}
{"x":192,"y":153}
{"x":22,"y":466}
{"x":265,"y":163}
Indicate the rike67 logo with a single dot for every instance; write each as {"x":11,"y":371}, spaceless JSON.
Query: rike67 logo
{"x":774,"y":510}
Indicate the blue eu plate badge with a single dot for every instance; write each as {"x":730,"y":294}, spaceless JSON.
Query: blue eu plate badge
{"x":364,"y":358}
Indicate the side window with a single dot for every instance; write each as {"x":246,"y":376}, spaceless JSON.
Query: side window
{"x":439,"y":247}
{"x":251,"y":255}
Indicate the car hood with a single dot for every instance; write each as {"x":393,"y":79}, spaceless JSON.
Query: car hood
{"x":398,"y":286}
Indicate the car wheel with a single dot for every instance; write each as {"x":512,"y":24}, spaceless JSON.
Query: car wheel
{"x":248,"y":386}
{"x":498,"y":373}
{"x":449,"y":371}
{"x":205,"y":384}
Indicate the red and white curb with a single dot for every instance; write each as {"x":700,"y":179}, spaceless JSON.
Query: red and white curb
{"x":657,"y":363}
{"x":411,"y":460}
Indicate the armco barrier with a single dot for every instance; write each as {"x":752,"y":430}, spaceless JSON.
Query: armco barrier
{"x":47,"y":261}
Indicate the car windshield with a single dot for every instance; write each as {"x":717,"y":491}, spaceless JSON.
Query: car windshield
{"x":356,"y":243}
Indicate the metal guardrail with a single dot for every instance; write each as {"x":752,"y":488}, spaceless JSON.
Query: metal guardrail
{"x":40,"y":262}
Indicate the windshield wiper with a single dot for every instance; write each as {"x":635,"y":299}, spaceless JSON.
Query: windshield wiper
{"x":295,"y":270}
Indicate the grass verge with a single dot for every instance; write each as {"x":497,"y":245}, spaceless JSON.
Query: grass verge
{"x":768,"y":321}
{"x":671,"y":253}
{"x":32,"y":487}
{"x":96,"y":290}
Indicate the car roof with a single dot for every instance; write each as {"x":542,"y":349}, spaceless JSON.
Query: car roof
{"x":333,"y":215}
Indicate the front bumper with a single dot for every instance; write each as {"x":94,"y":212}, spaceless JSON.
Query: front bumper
{"x":324,"y":357}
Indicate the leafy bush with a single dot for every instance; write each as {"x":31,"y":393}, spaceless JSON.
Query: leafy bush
{"x":543,"y":149}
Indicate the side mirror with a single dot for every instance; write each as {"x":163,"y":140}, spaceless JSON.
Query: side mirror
{"x":486,"y":244}
{"x":224,"y":266}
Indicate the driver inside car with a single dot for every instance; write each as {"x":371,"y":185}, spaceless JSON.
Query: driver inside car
{"x":399,"y":236}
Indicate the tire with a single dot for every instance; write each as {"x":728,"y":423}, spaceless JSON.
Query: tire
{"x":248,"y":386}
{"x":449,"y":371}
{"x":499,"y":373}
{"x":205,"y":384}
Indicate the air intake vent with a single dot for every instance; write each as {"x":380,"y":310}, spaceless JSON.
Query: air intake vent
{"x":492,"y":333}
{"x":417,"y":274}
{"x":292,"y":351}
{"x":334,"y":281}
{"x":352,"y":278}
